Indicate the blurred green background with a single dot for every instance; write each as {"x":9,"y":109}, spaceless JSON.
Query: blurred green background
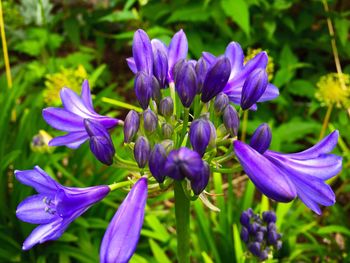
{"x":54,"y":43}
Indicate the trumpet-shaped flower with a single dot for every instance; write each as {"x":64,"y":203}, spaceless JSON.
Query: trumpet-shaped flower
{"x":54,"y":207}
{"x":122,"y":235}
{"x":240,"y":72}
{"x":71,"y":117}
{"x":283,"y":177}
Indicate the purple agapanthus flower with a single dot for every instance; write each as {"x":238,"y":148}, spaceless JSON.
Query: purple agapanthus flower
{"x":240,"y":72}
{"x":54,"y":207}
{"x":122,"y":235}
{"x":154,"y":57}
{"x":71,"y":117}
{"x":283,"y":177}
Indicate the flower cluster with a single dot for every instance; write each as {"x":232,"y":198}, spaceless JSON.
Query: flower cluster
{"x":260,"y":234}
{"x":187,"y":127}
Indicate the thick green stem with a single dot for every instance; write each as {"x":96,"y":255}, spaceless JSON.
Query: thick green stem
{"x":182,"y":212}
{"x":184,"y":126}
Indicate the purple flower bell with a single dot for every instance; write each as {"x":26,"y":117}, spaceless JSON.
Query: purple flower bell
{"x":261,"y":138}
{"x":150,"y":121}
{"x":216,"y":78}
{"x":186,"y":83}
{"x":160,"y":65}
{"x":166,"y":107}
{"x":201,"y":71}
{"x":199,"y":135}
{"x":142,"y":52}
{"x":54,"y":207}
{"x":142,"y":151}
{"x":131,"y":125}
{"x":253,"y":88}
{"x":231,"y":120}
{"x":220,"y":103}
{"x":282,"y":177}
{"x":123,"y":232}
{"x":157,"y":162}
{"x":101,"y":144}
{"x":143,"y":87}
{"x":71,"y":118}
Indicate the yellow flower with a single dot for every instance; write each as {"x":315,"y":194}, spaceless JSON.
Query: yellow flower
{"x":331,"y":92}
{"x":66,"y":77}
{"x":252,"y":52}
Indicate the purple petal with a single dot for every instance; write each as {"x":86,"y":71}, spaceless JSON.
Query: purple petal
{"x":142,"y":52}
{"x":159,"y":45}
{"x":38,"y":179}
{"x":72,"y":140}
{"x":131,"y":64}
{"x":178,"y":49}
{"x":34,"y":210}
{"x":86,"y":95}
{"x":209,"y":58}
{"x":73,"y":103}
{"x":270,"y":93}
{"x":122,"y":235}
{"x":269,"y":179}
{"x":62,"y":119}
{"x":235,"y":54}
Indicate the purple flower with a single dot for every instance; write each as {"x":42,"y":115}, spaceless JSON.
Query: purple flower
{"x":231,"y":120}
{"x":199,"y":135}
{"x":142,"y":151}
{"x":54,"y":207}
{"x":282,"y":177}
{"x":123,"y":233}
{"x":186,"y":83}
{"x":220,"y":103}
{"x":261,"y":138}
{"x":71,"y":117}
{"x":241,"y":71}
{"x":101,"y":144}
{"x":150,"y":121}
{"x":166,"y":107}
{"x":143,"y":87}
{"x":157,"y":162}
{"x":163,"y":58}
{"x":131,"y":126}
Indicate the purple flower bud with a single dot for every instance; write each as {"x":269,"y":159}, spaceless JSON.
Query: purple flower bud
{"x":245,"y":218}
{"x":142,"y":52}
{"x":177,"y":67}
{"x":101,"y":144}
{"x":220,"y":103}
{"x":261,"y":138}
{"x":269,"y":216}
{"x":167,"y":130}
{"x":244,"y":234}
{"x":186,"y":84}
{"x":253,"y":88}
{"x":150,"y":121}
{"x":177,"y":50}
{"x":201,"y":71}
{"x":212,"y":141}
{"x":131,"y":126}
{"x":157,"y":162}
{"x":253,"y":228}
{"x":231,"y":120}
{"x":200,"y":181}
{"x":123,"y":233}
{"x":216,"y":78}
{"x":259,"y":236}
{"x":166,"y":107}
{"x":254,"y":248}
{"x":160,"y":64}
{"x":142,"y":150}
{"x":183,"y":163}
{"x":264,"y":255}
{"x":143,"y":88}
{"x":156,"y":94}
{"x":272,"y":237}
{"x":271,"y":226}
{"x":200,"y":135}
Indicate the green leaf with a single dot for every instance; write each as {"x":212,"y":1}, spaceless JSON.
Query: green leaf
{"x":189,"y":14}
{"x":238,"y":10}
{"x":342,"y":29}
{"x":238,"y":245}
{"x":158,"y":253}
{"x":333,"y":229}
{"x":301,"y":88}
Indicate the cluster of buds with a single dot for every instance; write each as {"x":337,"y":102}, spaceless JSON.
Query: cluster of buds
{"x":260,"y":234}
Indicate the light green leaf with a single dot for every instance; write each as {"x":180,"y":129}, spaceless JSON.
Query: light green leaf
{"x":238,"y":10}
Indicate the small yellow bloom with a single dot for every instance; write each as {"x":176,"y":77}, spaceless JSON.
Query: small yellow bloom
{"x":252,"y":52}
{"x":331,"y":92}
{"x":66,"y":77}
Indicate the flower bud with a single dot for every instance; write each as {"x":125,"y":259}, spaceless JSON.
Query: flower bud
{"x":200,"y":181}
{"x":261,"y":138}
{"x":199,"y":135}
{"x":150,"y":121}
{"x":142,"y":151}
{"x":167,"y":144}
{"x":253,"y":88}
{"x":201,"y":71}
{"x":269,"y":216}
{"x":166,"y":107}
{"x":272,"y":237}
{"x":216,"y":78}
{"x":254,"y":248}
{"x":177,"y":67}
{"x":157,"y":162}
{"x":101,"y":144}
{"x":167,"y":130}
{"x":156,"y":94}
{"x":264,"y":254}
{"x":231,"y":120}
{"x":186,"y":84}
{"x":131,"y":125}
{"x":244,"y":234}
{"x":160,"y":64}
{"x":213,"y":136}
{"x":220,"y":103}
{"x":143,"y":88}
{"x":245,"y":218}
{"x":259,"y":236}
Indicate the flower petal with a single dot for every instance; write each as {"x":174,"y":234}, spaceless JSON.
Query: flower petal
{"x":122,"y":235}
{"x":38,"y":179}
{"x":270,"y":93}
{"x":33,"y":210}
{"x":142,"y":52}
{"x":178,"y":49}
{"x":73,"y":103}
{"x":235,"y":54}
{"x":72,"y":140}
{"x":86,"y":95}
{"x":268,"y":178}
{"x":62,"y":119}
{"x":209,"y":58}
{"x":131,"y":64}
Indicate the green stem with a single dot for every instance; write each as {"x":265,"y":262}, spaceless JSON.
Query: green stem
{"x":244,"y":125}
{"x":326,"y":121}
{"x":182,"y":213}
{"x":115,"y":186}
{"x":173,"y":94}
{"x":121,"y":104}
{"x":4,"y":48}
{"x":184,"y":125}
